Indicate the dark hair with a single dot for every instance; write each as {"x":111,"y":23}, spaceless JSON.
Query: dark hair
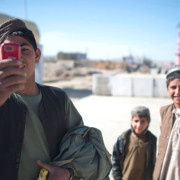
{"x":172,"y":76}
{"x":141,"y":111}
{"x":16,"y":27}
{"x":26,"y":34}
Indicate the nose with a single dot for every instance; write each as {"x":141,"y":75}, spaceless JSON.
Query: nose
{"x":21,"y":57}
{"x":138,"y":125}
{"x":177,"y":91}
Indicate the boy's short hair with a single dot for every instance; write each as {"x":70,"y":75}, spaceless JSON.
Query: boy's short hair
{"x":141,"y":111}
{"x":173,"y":73}
{"x":16,"y":27}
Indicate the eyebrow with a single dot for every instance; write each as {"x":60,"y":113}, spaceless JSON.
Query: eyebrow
{"x":24,"y":44}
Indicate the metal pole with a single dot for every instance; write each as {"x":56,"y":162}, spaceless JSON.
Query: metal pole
{"x":25,"y":9}
{"x":178,"y":47}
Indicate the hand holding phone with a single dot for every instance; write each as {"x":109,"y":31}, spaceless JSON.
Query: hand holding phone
{"x":13,"y":78}
{"x":10,"y":51}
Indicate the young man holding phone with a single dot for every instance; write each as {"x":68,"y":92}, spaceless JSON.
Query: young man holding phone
{"x":33,"y":117}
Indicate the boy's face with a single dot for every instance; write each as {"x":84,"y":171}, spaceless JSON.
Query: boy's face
{"x":139,"y":124}
{"x":29,"y":56}
{"x":174,"y":91}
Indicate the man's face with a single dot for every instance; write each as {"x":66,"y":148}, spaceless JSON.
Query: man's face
{"x":139,"y":124}
{"x":29,"y":56}
{"x":174,"y":91}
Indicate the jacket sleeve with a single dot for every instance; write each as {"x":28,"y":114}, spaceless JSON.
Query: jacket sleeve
{"x":83,"y":150}
{"x":154,"y":150}
{"x":117,"y":161}
{"x":72,"y":116}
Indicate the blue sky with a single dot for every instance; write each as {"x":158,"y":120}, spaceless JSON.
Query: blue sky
{"x":104,"y":29}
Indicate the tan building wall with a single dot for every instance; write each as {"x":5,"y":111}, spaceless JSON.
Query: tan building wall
{"x":72,"y":56}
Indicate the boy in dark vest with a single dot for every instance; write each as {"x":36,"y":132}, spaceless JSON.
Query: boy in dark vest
{"x":134,"y":152}
{"x":36,"y":118}
{"x":33,"y":117}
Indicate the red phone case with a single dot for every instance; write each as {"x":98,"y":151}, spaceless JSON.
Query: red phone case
{"x":10,"y":51}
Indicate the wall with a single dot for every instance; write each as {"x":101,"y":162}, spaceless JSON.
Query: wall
{"x":132,"y":85}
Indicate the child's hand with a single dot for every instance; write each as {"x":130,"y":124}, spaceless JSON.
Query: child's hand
{"x":55,"y":173}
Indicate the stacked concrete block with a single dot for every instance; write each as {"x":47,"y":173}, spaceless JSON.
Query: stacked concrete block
{"x":142,"y":86}
{"x":101,"y":84}
{"x":160,"y":89}
{"x":121,"y":85}
{"x":130,"y":85}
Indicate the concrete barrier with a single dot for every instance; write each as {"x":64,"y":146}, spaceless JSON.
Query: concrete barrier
{"x":160,"y":89}
{"x":142,"y":86}
{"x":132,"y":85}
{"x":101,"y":84}
{"x":121,"y":85}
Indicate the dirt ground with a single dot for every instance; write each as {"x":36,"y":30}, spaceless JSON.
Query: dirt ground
{"x":76,"y":88}
{"x":75,"y":81}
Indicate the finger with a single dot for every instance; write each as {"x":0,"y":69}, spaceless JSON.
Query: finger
{"x":11,"y":89}
{"x":11,"y":81}
{"x":9,"y":62}
{"x":15,"y":88}
{"x":11,"y":71}
{"x":44,"y":165}
{"x":6,"y":92}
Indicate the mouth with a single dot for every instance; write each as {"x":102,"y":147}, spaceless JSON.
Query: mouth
{"x":138,"y":130}
{"x":22,"y":66}
{"x":177,"y":98}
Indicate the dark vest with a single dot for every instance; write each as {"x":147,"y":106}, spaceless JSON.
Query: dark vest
{"x":166,"y":126}
{"x":12,"y":123}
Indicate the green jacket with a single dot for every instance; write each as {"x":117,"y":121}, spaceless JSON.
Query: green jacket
{"x":56,"y":115}
{"x":83,"y":150}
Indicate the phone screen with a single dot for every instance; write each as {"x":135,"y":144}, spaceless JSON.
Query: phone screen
{"x":10,"y":51}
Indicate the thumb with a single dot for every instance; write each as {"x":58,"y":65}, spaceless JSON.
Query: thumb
{"x":44,"y":165}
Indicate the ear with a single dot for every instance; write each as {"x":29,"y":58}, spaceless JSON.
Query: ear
{"x":37,"y":55}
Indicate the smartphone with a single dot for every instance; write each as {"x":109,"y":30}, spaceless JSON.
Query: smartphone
{"x":10,"y":51}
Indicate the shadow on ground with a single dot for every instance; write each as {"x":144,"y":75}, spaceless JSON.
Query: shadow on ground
{"x":77,"y":93}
